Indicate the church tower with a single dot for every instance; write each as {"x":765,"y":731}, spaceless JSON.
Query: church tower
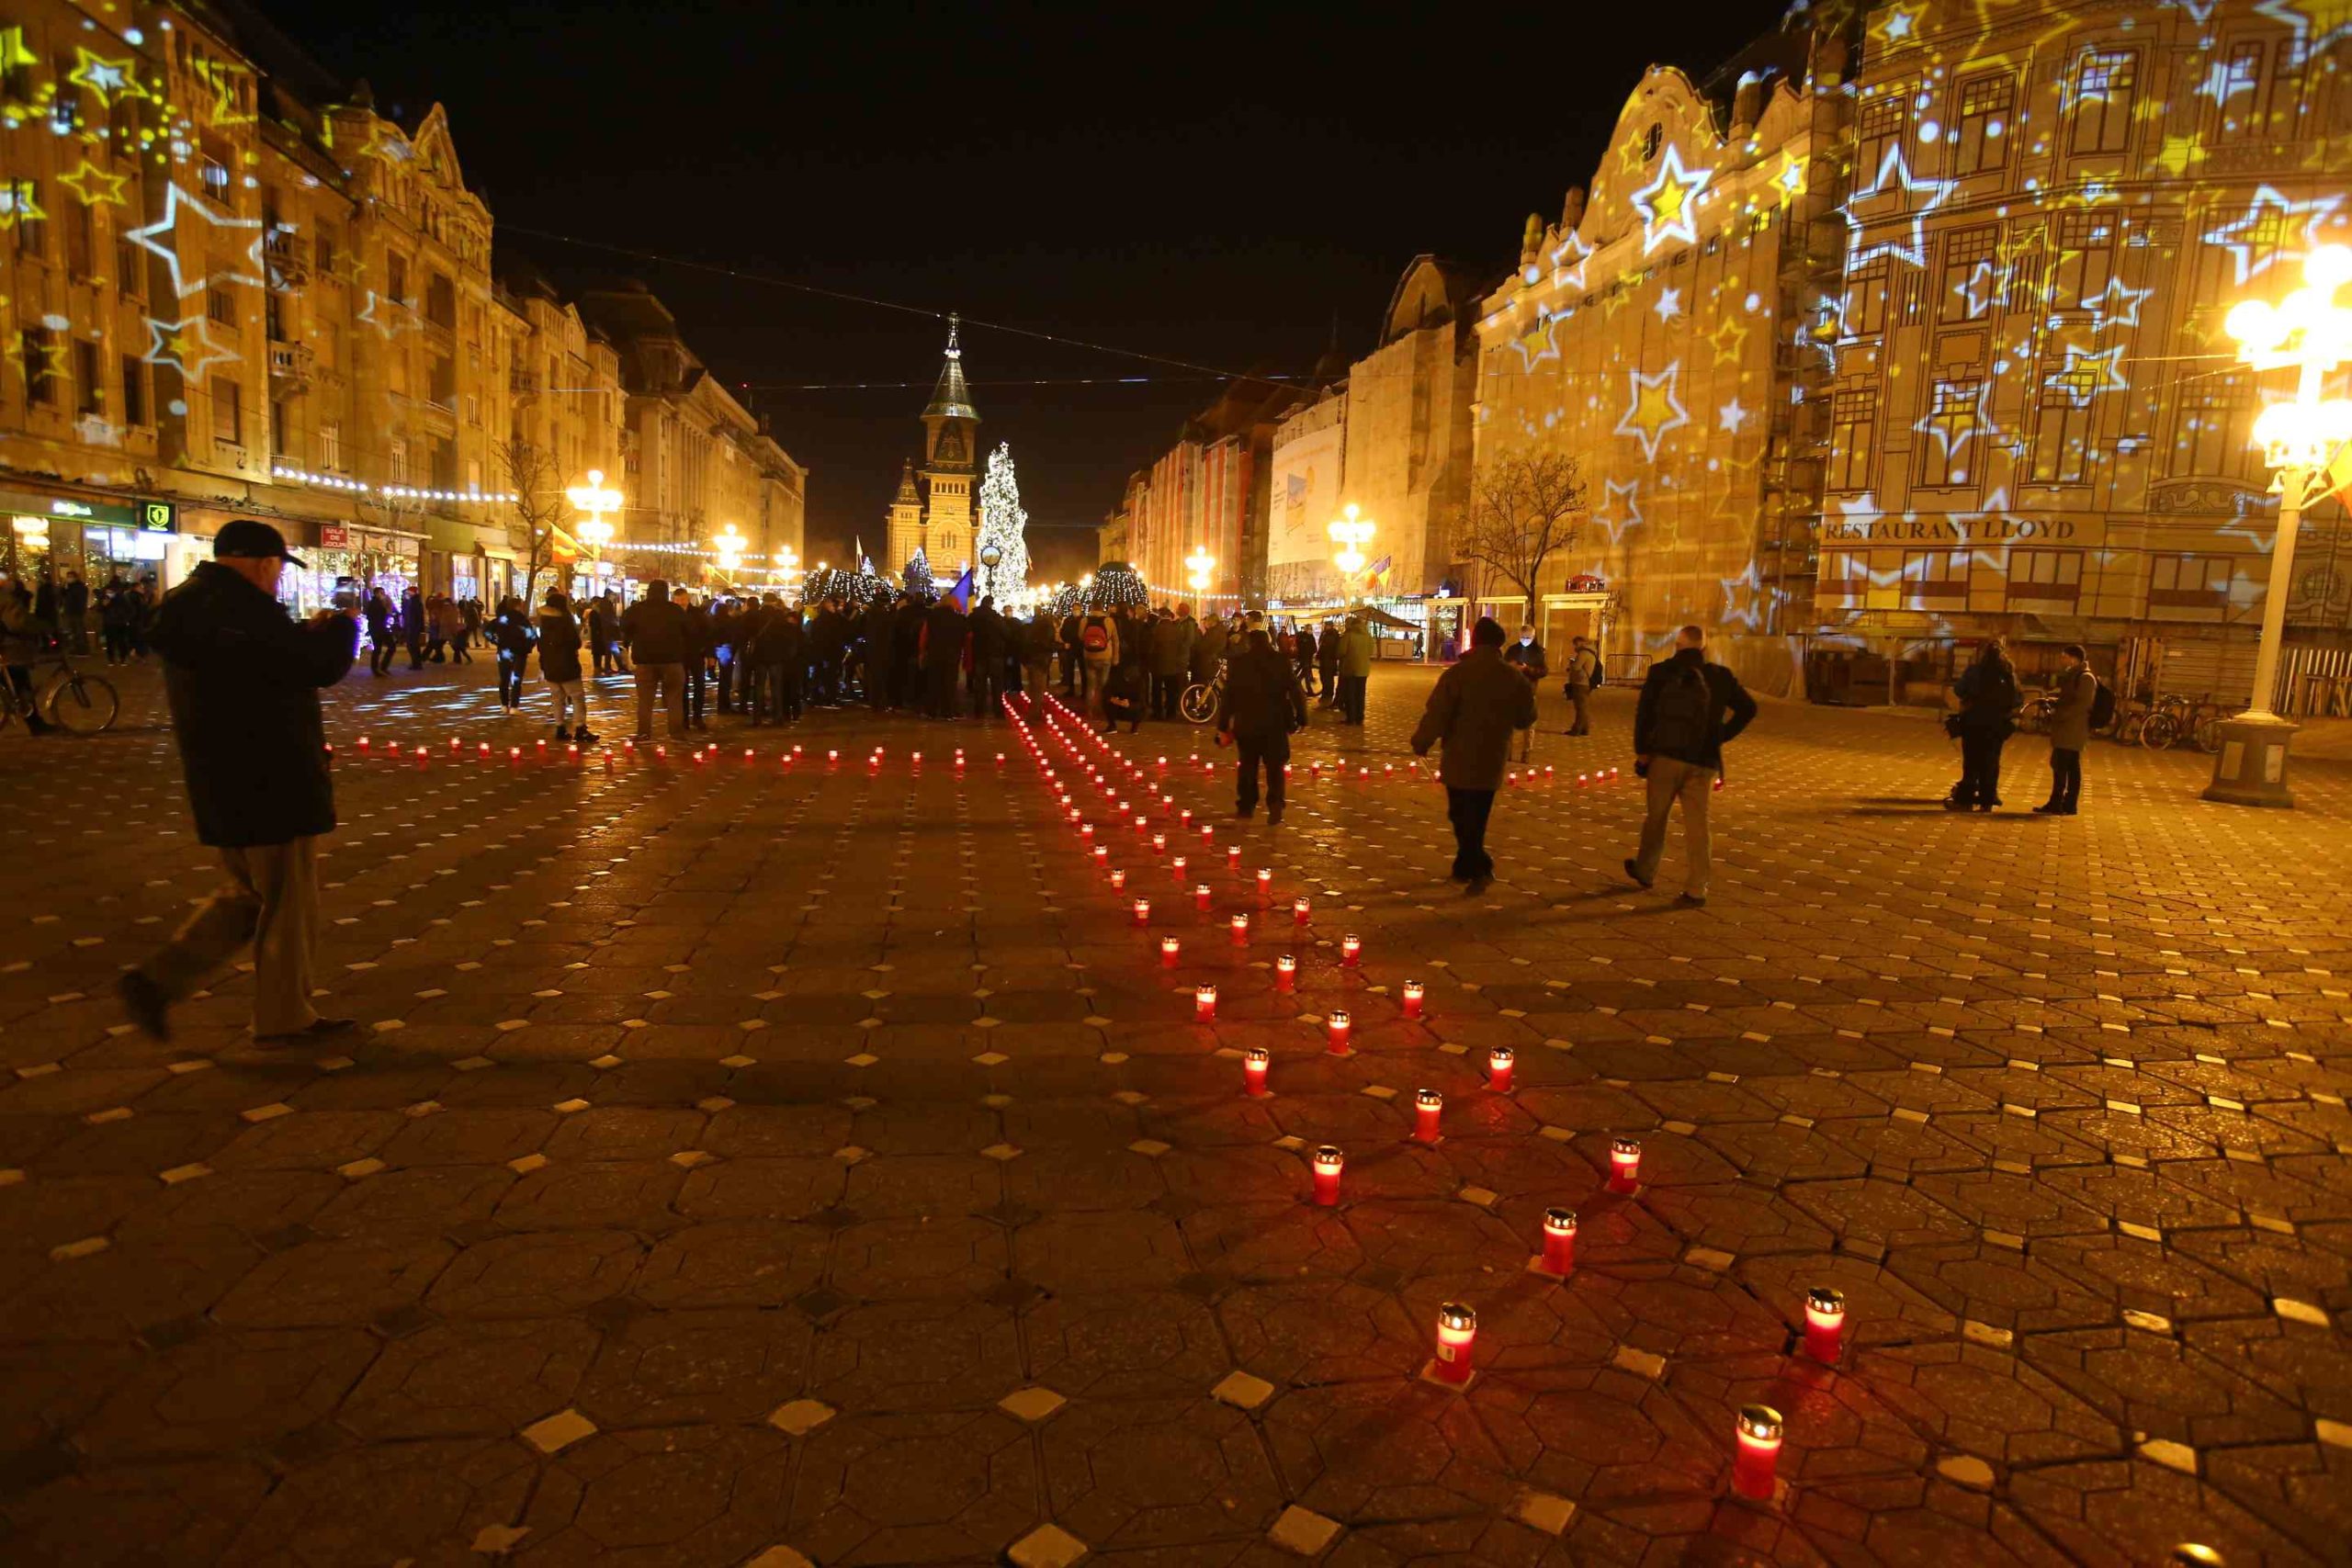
{"x":905,"y":531}
{"x":950,"y":461}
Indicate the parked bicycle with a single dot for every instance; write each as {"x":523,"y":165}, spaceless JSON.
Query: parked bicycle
{"x":76,"y":703}
{"x":2175,"y":719}
{"x":1199,"y":700}
{"x":2034,"y":717}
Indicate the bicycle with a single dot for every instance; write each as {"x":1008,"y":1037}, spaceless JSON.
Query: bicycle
{"x":1198,"y":702}
{"x":2034,"y":717}
{"x":76,"y":703}
{"x":2171,"y":719}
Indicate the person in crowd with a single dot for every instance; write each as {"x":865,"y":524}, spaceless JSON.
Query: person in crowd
{"x":116,"y":608}
{"x":414,"y":630}
{"x":1688,"y":711}
{"x":1526,"y":656}
{"x":1473,"y":710}
{"x":944,"y":631}
{"x":778,"y":655}
{"x":1988,"y":701}
{"x":749,"y":618}
{"x":721,"y":618}
{"x":45,"y":609}
{"x":73,"y":612}
{"x":1262,"y":708}
{"x":2070,"y":731}
{"x":559,"y":643}
{"x":1327,"y":661}
{"x":1098,"y":641}
{"x":143,"y":595}
{"x":1208,"y":648}
{"x":511,"y":636}
{"x":1355,"y":651}
{"x":1040,"y":636}
{"x":1172,"y":641}
{"x":655,"y":631}
{"x":20,"y":644}
{"x":989,"y":643}
{"x":697,"y":621}
{"x":470,"y":622}
{"x":828,"y":633}
{"x":600,"y":631}
{"x":1135,"y":650}
{"x":1584,"y":674}
{"x":242,"y":682}
{"x":881,"y":629}
{"x":379,"y":616}
{"x":1124,"y":696}
{"x":906,"y":653}
{"x":1302,"y":642}
{"x":1073,"y":654}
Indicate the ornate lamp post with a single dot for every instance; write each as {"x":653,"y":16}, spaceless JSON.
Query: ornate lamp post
{"x":989,"y":556}
{"x":2302,"y":439}
{"x":729,"y":547}
{"x":1200,"y":563}
{"x":596,"y":501}
{"x":1350,"y":533}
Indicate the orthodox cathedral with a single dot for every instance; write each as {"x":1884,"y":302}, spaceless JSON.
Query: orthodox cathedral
{"x":934,"y":510}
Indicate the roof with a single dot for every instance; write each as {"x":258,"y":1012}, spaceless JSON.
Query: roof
{"x":952,"y":399}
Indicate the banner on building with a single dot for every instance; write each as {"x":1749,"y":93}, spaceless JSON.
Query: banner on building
{"x":1304,"y":498}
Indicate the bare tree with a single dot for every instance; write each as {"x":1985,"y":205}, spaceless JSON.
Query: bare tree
{"x":539,"y":507}
{"x":1525,"y":507}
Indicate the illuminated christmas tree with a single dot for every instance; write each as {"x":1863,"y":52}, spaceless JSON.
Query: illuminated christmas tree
{"x":1116,"y":585}
{"x":920,"y":583}
{"x":1004,"y":524}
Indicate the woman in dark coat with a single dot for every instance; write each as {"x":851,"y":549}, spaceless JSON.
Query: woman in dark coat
{"x":512,"y":636}
{"x":1987,"y":691}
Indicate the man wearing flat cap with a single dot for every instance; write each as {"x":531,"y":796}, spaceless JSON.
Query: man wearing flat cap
{"x":244,"y":682}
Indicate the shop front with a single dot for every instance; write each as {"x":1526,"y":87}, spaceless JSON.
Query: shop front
{"x":100,"y":539}
{"x":347,"y":558}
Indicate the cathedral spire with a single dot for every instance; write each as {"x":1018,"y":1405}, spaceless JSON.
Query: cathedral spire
{"x":952,"y":399}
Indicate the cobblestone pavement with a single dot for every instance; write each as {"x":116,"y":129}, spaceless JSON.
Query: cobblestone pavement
{"x":753,"y":1162}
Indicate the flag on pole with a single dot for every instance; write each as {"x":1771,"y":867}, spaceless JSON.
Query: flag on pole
{"x":962,"y":591}
{"x":1378,"y":576}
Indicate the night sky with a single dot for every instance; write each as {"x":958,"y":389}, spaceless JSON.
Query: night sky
{"x":1214,"y":186}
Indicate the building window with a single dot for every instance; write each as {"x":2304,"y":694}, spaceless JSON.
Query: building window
{"x":1955,"y":417}
{"x":1935,"y":579}
{"x":2061,"y":435}
{"x":20,"y":199}
{"x":214,"y":174}
{"x":330,"y":445}
{"x":1878,"y":132}
{"x":227,"y":412}
{"x":1853,"y":433}
{"x":2188,"y":583}
{"x":2212,"y":435}
{"x":221,"y":306}
{"x":41,"y":379}
{"x":2236,"y":84}
{"x":2045,"y":576}
{"x":322,"y":246}
{"x":1969,"y":276}
{"x":1865,"y":306}
{"x":2086,"y":260}
{"x":396,"y":275}
{"x":1985,"y":107}
{"x":2106,"y":82}
{"x":273,"y":309}
{"x":1846,"y":574}
{"x":89,"y":378}
{"x":134,"y":390}
{"x":281,"y":430}
{"x":81,"y":238}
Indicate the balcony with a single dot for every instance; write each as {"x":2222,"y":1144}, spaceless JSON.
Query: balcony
{"x":292,"y":365}
{"x":522,"y":383}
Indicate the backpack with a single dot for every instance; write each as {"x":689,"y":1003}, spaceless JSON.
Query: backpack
{"x":2102,"y":701}
{"x":1683,"y":717}
{"x":1094,"y":637}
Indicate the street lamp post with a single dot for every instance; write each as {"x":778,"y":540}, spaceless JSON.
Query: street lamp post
{"x":1200,"y":563}
{"x":989,"y":556}
{"x":1352,"y":532}
{"x":596,"y":501}
{"x":2302,"y":439}
{"x":728,"y":546}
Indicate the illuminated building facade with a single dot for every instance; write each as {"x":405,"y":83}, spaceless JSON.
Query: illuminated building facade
{"x":2037,"y":424}
{"x":1210,"y":489}
{"x":1648,"y":334}
{"x":934,"y":512}
{"x":1410,"y":431}
{"x":230,"y":287}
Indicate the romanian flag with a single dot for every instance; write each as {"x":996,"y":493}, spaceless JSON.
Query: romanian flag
{"x":962,"y":591}
{"x":1378,"y":576}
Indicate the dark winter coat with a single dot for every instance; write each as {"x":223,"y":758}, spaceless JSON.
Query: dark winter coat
{"x":943,"y":641}
{"x":1726,"y":697}
{"x":1263,"y":697}
{"x":1207,"y":648}
{"x":987,"y":639}
{"x":244,"y":682}
{"x":559,"y":645}
{"x":782,"y":643}
{"x":1171,"y":644}
{"x":1988,"y":698}
{"x":1474,"y":709}
{"x":511,"y":634}
{"x":655,"y":630}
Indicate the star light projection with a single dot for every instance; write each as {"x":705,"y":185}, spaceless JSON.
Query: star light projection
{"x":1669,"y":204}
{"x":161,"y":238}
{"x":1654,"y":408}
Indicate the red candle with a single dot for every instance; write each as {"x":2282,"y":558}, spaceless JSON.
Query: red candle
{"x":1101,"y":855}
{"x":1203,"y":1003}
{"x":1233,"y":859}
{"x":1824,"y":1322}
{"x":363,"y":743}
{"x":1338,"y":1026}
{"x":1625,"y":1164}
{"x":1458,"y":1330}
{"x":483,"y":751}
{"x":1254,"y":1063}
{"x":748,"y":755}
{"x":1159,"y":843}
{"x":1208,"y":833}
{"x":1143,"y":823}
{"x":1351,"y":948}
{"x":1412,"y":999}
{"x":1285,"y":972}
{"x":1760,"y":1450}
{"x":918,"y":758}
{"x":1086,"y":832}
{"x":1498,"y":1066}
{"x":1118,"y":879}
{"x":1176,"y":868}
{"x":1428,"y":1105}
{"x":1200,"y":897}
{"x":1300,"y":909}
{"x":833,"y":756}
{"x":1559,"y":1240}
{"x":1328,"y":1163}
{"x":1265,"y":876}
{"x":1143,"y":911}
{"x":1241,"y":931}
{"x":1170,"y":950}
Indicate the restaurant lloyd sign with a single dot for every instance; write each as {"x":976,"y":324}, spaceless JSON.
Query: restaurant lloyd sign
{"x":1885,"y":530}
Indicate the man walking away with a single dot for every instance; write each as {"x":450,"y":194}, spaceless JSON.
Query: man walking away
{"x":414,"y":630}
{"x":1098,"y":641}
{"x":1584,"y":674}
{"x":1526,"y":656}
{"x":242,"y":681}
{"x":1680,"y":732}
{"x":1303,"y":644}
{"x":1172,"y":661}
{"x":560,"y":663}
{"x":380,"y":634}
{"x":1356,"y":651}
{"x":778,"y":658}
{"x":1473,"y":710}
{"x":2070,"y":731}
{"x":696,"y":623}
{"x":986,"y":679}
{"x":1263,"y":707}
{"x":655,"y":630}
{"x":1039,"y":637}
{"x":512,"y":636}
{"x":1327,"y":660}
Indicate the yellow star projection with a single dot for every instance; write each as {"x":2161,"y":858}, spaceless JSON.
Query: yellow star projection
{"x":1656,"y":408}
{"x":95,"y":185}
{"x":109,"y":79}
{"x":1669,"y":204}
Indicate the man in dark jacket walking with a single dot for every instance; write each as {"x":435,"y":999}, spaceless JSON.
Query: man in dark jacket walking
{"x":1262,"y":707}
{"x":1689,"y":710}
{"x":1474,"y":709}
{"x":414,"y":630}
{"x":1304,"y":640}
{"x":655,"y":630}
{"x":244,"y":680}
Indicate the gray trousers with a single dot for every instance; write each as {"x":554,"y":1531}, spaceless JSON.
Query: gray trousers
{"x":1671,"y":780}
{"x":271,"y":901}
{"x":667,"y":685}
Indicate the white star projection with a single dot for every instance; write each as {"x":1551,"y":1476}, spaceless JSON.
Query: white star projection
{"x":1669,"y":204}
{"x":1894,"y":174}
{"x":160,"y":238}
{"x":1654,"y":407}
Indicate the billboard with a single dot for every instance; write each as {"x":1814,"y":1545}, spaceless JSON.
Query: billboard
{"x":1306,"y":496}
